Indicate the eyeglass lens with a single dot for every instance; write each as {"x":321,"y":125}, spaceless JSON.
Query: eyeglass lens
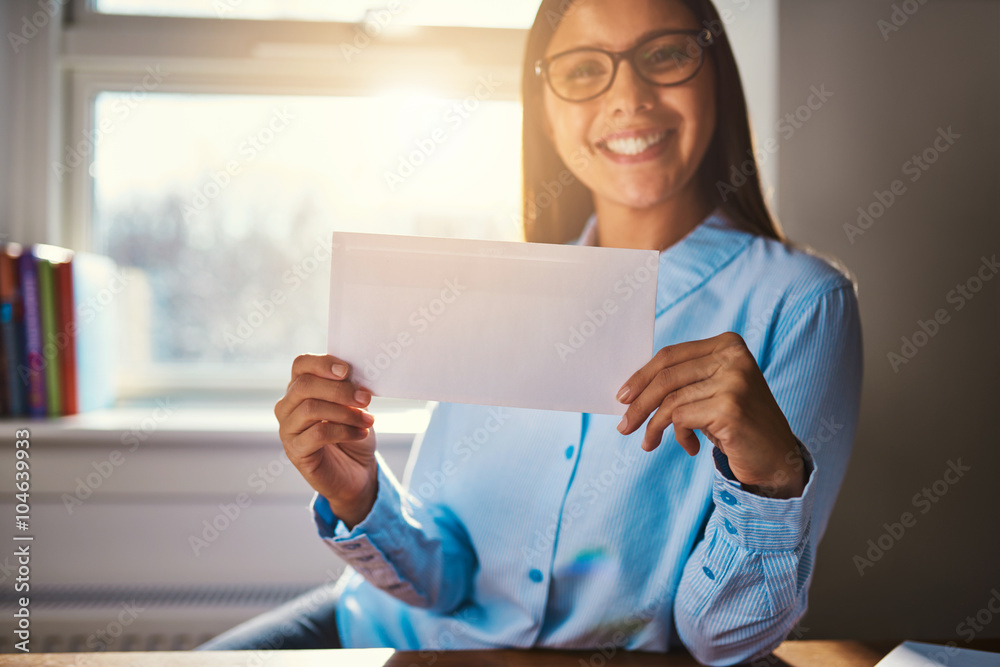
{"x":664,"y":60}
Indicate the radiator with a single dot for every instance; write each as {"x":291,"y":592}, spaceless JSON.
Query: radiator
{"x":138,"y":618}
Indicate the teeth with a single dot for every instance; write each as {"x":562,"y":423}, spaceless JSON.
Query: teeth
{"x":634,"y":145}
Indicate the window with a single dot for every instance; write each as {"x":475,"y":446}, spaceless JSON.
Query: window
{"x":225,"y":152}
{"x":506,"y":14}
{"x":221,"y":207}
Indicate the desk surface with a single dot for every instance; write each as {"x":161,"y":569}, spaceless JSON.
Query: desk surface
{"x":789,"y":654}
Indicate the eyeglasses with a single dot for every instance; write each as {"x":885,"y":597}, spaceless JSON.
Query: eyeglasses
{"x":667,"y":58}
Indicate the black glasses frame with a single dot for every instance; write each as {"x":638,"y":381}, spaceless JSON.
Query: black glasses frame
{"x":706,"y":39}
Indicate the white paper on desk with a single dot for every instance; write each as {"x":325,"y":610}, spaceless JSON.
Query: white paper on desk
{"x":918,"y":654}
{"x":533,"y":325}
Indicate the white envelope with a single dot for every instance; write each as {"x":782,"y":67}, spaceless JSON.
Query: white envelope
{"x":529,"y":325}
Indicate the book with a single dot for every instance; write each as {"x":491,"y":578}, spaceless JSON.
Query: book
{"x":50,"y":351}
{"x":11,"y":329}
{"x":4,"y":389}
{"x":32,"y":372}
{"x":55,"y":339}
{"x":66,"y":317}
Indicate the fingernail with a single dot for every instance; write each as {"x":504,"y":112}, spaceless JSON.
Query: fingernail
{"x":367,"y":418}
{"x":622,"y":394}
{"x":362,"y":396}
{"x":623,"y":424}
{"x":339,"y":370}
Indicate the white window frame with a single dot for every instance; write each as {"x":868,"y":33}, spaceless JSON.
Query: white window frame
{"x":101,"y":52}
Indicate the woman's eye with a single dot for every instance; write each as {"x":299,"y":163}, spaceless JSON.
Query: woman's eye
{"x":584,"y":71}
{"x":666,"y":57}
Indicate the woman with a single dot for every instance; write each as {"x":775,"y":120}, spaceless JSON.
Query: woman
{"x":694,"y":520}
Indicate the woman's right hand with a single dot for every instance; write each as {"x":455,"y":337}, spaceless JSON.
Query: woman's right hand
{"x":327,"y":434}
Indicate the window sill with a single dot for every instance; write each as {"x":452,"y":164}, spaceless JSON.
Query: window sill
{"x":185,"y":422}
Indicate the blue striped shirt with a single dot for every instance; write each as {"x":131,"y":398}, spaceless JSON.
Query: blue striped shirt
{"x":533,"y":528}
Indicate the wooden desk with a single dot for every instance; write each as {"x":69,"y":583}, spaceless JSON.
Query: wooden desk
{"x":789,"y":654}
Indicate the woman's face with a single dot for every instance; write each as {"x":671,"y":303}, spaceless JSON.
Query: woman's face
{"x":670,"y":127}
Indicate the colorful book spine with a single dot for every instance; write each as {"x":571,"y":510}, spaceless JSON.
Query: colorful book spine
{"x":57,"y":348}
{"x":12,"y":328}
{"x":67,"y":324}
{"x":32,"y":373}
{"x":50,"y":328}
{"x":57,"y":338}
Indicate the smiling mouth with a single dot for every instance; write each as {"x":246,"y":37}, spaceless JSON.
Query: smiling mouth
{"x":632,"y":145}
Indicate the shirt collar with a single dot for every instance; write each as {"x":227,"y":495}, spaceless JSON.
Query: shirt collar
{"x":689,"y":263}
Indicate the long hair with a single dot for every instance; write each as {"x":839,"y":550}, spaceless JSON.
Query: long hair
{"x":556,"y":204}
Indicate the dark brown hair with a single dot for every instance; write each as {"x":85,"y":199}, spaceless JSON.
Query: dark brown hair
{"x":556,"y":204}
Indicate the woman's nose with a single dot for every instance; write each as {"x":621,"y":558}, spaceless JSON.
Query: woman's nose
{"x":628,"y":92}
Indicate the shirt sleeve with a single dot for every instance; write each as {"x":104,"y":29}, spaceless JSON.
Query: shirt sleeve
{"x":746,"y":583}
{"x":417,"y":553}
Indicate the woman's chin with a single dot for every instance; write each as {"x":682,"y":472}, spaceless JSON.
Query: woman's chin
{"x":640,"y":198}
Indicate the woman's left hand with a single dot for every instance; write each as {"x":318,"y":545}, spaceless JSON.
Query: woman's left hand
{"x":715,"y":386}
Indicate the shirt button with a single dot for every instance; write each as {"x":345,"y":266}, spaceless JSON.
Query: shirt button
{"x":535,"y":575}
{"x":727,"y":498}
{"x":569,"y":452}
{"x":729,"y":527}
{"x":708,"y":573}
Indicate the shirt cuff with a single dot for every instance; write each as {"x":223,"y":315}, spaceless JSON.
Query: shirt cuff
{"x":359,"y":546}
{"x":761,"y":523}
{"x":330,"y":526}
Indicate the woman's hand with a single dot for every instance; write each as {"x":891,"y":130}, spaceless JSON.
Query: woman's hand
{"x":327,"y":437}
{"x":715,"y":386}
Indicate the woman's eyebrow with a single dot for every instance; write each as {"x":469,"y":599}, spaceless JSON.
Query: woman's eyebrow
{"x":638,"y":40}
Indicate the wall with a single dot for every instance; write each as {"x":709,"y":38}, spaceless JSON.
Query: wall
{"x":890,"y":96}
{"x":753,"y":32}
{"x":6,"y":124}
{"x":30,"y":91}
{"x":752,"y":28}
